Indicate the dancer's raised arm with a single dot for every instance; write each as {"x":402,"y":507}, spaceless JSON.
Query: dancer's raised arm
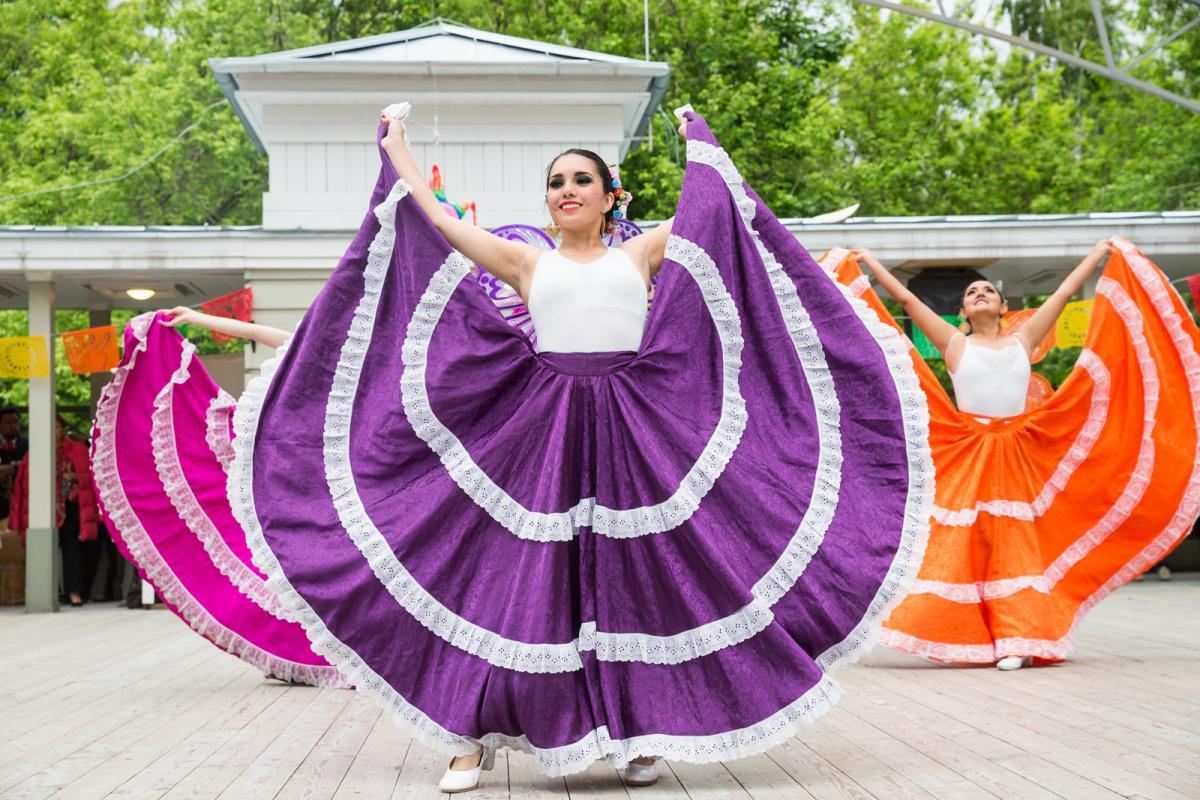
{"x":936,"y":330}
{"x":263,"y":334}
{"x":1047,"y":315}
{"x":503,"y":258}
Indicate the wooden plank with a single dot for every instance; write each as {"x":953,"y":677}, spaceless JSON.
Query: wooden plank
{"x":512,"y":162}
{"x":931,"y":740}
{"x":1085,"y":765}
{"x":526,"y":783}
{"x":533,"y":170}
{"x":598,"y":780}
{"x":182,"y":759}
{"x":65,"y":733}
{"x":294,"y":165}
{"x":323,"y":769}
{"x":763,"y":779}
{"x":273,"y":767}
{"x":419,"y":774}
{"x":862,"y":767}
{"x":39,"y":693}
{"x":704,"y":781}
{"x":819,"y":778}
{"x":492,"y":167}
{"x":884,"y":766}
{"x":1144,"y":771}
{"x":336,"y":174}
{"x":223,"y":766}
{"x":376,"y":767}
{"x":276,"y":173}
{"x":121,"y":716}
{"x":475,"y":173}
{"x":1102,"y":721}
{"x":315,"y":166}
{"x":126,"y":757}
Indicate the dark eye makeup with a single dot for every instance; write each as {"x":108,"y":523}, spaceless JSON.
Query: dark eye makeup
{"x":581,"y":178}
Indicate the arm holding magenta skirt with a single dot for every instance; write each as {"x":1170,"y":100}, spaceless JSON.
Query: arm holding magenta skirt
{"x":263,"y":334}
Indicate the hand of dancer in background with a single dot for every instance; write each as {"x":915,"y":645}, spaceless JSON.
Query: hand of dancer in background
{"x":263,"y":334}
{"x":1047,"y":315}
{"x":180,"y":315}
{"x":936,"y":330}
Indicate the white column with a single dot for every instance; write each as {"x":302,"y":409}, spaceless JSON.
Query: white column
{"x":281,"y":298}
{"x":41,"y":548}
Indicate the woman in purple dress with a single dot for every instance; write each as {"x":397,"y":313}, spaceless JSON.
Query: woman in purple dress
{"x":653,"y":535}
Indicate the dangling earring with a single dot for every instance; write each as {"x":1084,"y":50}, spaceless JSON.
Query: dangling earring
{"x":552,"y":230}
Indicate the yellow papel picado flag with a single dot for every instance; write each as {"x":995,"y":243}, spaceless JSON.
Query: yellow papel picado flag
{"x":1072,"y":325}
{"x":24,"y":357}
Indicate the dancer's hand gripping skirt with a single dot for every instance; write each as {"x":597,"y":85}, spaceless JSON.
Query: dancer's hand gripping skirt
{"x":590,"y":555}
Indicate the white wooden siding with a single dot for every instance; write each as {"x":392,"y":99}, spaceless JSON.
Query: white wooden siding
{"x":323,"y":161}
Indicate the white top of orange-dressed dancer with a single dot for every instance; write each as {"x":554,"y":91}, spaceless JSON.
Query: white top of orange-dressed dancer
{"x":992,"y":381}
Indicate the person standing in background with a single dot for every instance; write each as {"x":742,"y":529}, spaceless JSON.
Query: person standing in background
{"x":76,"y":512}
{"x":13,"y":447}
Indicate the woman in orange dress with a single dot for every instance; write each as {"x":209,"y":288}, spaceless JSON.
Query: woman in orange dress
{"x":1041,"y":513}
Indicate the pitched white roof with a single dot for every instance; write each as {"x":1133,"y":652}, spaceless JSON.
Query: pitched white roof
{"x":440,"y":46}
{"x":495,"y":63}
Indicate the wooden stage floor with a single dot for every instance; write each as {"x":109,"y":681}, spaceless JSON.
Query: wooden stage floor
{"x":105,"y":702}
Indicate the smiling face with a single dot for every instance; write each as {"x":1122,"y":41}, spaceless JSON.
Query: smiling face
{"x":982,"y":300}
{"x":576,"y":194}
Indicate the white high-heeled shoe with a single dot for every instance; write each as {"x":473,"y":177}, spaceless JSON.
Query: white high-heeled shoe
{"x":638,"y":774}
{"x":1009,"y":663}
{"x":464,"y":780}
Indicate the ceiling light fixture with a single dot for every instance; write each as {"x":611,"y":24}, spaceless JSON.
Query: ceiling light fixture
{"x":141,"y":294}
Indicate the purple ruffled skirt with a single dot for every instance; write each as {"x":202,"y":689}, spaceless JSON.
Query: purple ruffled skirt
{"x":590,"y":555}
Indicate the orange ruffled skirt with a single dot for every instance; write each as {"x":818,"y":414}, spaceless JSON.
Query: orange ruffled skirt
{"x":1038,"y":517}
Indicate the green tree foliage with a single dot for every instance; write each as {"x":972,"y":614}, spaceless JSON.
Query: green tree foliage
{"x":821,"y":105}
{"x":89,"y":89}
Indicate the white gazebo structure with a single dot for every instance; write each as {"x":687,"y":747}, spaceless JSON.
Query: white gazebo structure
{"x":491,"y":111}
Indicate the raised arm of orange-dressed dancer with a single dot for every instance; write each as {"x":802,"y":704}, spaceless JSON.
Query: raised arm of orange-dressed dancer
{"x":937,"y":330}
{"x":1044,"y":318}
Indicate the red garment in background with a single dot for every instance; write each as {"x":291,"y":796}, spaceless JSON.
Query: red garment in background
{"x":72,"y":457}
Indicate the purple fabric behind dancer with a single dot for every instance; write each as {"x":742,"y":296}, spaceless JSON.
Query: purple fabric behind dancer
{"x":163,"y":492}
{"x":590,"y":555}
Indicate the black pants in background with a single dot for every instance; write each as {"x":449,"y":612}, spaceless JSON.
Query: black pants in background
{"x":78,"y":558}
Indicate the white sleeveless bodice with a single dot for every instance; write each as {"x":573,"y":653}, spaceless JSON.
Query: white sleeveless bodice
{"x":992,"y":383}
{"x":598,"y":307}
